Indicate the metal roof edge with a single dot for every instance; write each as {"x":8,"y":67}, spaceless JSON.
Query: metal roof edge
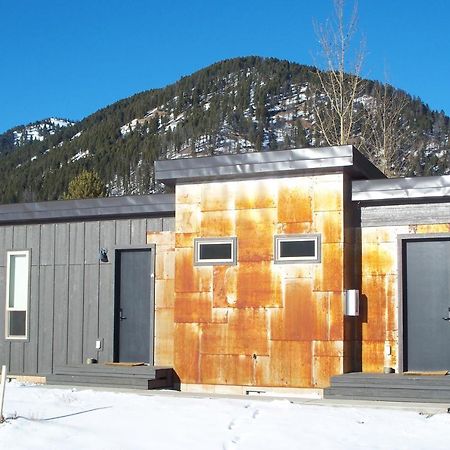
{"x":264,"y":164}
{"x":401,"y":189}
{"x":88,"y":209}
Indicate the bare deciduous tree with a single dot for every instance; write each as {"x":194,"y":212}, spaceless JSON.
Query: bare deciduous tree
{"x":386,"y":132}
{"x":340,"y":82}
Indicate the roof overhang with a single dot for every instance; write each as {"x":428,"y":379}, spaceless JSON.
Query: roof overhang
{"x":266,"y":164}
{"x":155,"y":205}
{"x":402,"y":189}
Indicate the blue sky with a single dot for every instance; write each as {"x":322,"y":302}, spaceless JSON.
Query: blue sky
{"x":70,"y":58}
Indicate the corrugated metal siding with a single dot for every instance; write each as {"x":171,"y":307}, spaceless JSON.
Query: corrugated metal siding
{"x":71,"y":293}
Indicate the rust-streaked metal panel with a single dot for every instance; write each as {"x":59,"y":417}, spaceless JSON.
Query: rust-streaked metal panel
{"x":193,"y":307}
{"x":255,"y":194}
{"x":324,"y":367}
{"x":329,"y":225}
{"x":258,"y":285}
{"x":255,"y":229}
{"x":328,"y":348}
{"x":164,"y":293}
{"x":218,"y":223}
{"x":373,"y":356}
{"x":303,"y":317}
{"x":379,"y":259}
{"x":433,"y":228}
{"x":164,"y":333}
{"x":328,"y":196}
{"x":226,"y":369}
{"x":294,"y":200}
{"x":336,"y":315}
{"x":185,"y":240}
{"x":224,"y":286}
{"x":189,"y":278}
{"x":187,"y":219}
{"x":218,"y":196}
{"x":245,"y":334}
{"x":328,"y":275}
{"x":294,"y":228}
{"x":187,"y":352}
{"x":290,"y":365}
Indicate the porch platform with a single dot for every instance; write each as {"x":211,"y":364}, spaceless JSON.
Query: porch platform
{"x":130,"y":377}
{"x":391,"y":387}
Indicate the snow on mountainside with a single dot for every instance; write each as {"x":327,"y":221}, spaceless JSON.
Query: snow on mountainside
{"x":234,"y":106}
{"x":38,"y":131}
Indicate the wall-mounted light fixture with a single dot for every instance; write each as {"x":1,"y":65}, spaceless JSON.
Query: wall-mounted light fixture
{"x":103,"y":255}
{"x":351,"y":302}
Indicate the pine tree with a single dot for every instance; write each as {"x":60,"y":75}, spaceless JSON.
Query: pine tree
{"x":87,"y":184}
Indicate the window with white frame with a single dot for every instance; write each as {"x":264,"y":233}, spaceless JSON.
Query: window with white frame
{"x":17,"y":292}
{"x":297,"y":248}
{"x":214,"y":251}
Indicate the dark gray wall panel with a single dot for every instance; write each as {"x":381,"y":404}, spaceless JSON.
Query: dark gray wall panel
{"x":47,"y":244}
{"x":138,"y":231}
{"x":75,"y":323}
{"x":91,"y":242}
{"x":61,"y":316}
{"x":4,"y":344}
{"x":62,"y":243}
{"x":34,"y":243}
{"x":168,"y":224}
{"x":16,"y":357}
{"x":106,"y":311}
{"x":31,"y":347}
{"x":90,"y":329}
{"x":20,"y":237}
{"x":71,"y":292}
{"x":76,"y":243}
{"x":108,"y":236}
{"x":46,"y":294}
{"x":123,"y":232}
{"x":155,"y":224}
{"x":6,"y":239}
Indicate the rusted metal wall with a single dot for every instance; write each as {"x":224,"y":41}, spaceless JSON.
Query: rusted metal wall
{"x":380,"y":296}
{"x":164,"y":295}
{"x":259,"y":323}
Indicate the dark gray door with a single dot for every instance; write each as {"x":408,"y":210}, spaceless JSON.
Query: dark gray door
{"x":134,"y":306}
{"x":427,"y":289}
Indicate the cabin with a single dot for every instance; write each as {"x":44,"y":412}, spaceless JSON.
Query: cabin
{"x":263,"y":271}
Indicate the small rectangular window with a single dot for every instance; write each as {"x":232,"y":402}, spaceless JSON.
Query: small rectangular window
{"x":213,"y":251}
{"x":297,"y":248}
{"x":17,"y":289}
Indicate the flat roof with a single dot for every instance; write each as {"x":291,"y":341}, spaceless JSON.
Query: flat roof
{"x":282,"y":162}
{"x":154,"y":205}
{"x":400,"y":189}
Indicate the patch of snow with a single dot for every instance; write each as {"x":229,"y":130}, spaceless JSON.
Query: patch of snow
{"x":43,"y":418}
{"x":80,"y":155}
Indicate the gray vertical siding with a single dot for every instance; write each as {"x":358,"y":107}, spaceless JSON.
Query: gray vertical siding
{"x":71,"y":292}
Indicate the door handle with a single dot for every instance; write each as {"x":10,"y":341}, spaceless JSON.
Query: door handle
{"x":122,"y":317}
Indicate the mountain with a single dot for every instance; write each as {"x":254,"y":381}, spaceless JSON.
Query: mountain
{"x":238,"y":105}
{"x":37,"y":131}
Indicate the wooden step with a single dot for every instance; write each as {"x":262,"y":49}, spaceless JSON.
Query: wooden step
{"x":135,"y":377}
{"x":389,"y":387}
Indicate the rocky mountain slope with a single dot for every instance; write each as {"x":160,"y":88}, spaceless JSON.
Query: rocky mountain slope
{"x":239,"y":105}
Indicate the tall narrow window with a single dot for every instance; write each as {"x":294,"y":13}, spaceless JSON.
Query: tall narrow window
{"x":17,"y":289}
{"x":213,"y":251}
{"x":297,"y":248}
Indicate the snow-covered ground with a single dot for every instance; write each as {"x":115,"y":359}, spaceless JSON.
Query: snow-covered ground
{"x":85,"y":419}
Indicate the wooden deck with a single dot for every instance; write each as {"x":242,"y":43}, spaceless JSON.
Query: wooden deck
{"x":135,"y":377}
{"x":390,"y":387}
